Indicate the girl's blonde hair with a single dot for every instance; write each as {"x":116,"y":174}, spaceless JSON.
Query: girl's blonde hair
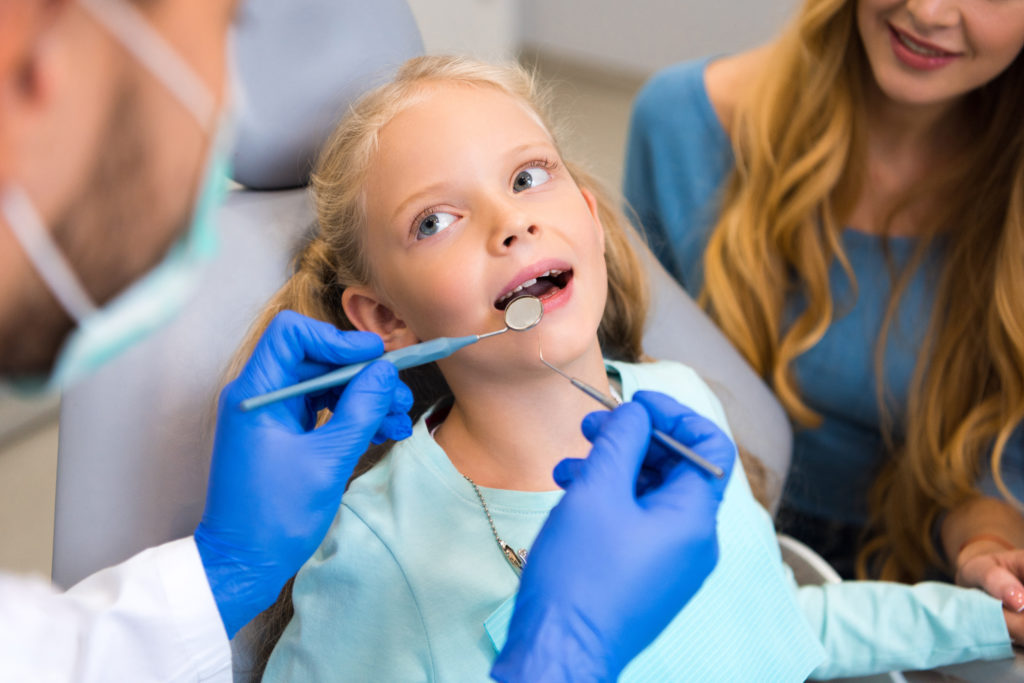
{"x":799,"y":145}
{"x":334,"y":258}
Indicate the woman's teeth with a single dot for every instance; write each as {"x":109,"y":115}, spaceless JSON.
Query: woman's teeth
{"x":920,"y":49}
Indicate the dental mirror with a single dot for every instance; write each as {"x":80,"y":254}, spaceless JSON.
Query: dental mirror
{"x":523,"y":313}
{"x":520,"y":315}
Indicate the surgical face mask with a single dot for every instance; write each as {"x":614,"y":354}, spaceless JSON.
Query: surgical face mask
{"x":102,"y":333}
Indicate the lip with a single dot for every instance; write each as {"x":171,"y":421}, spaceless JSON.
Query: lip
{"x":915,"y":60}
{"x":532,"y":271}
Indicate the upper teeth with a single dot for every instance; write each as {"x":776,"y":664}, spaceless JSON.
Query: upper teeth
{"x":529,"y":283}
{"x":917,"y":48}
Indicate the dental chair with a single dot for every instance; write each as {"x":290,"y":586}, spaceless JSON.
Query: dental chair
{"x":135,"y":437}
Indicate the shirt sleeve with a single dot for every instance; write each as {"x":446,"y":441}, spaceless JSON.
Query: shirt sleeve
{"x":356,"y":617}
{"x":870,"y":627}
{"x":677,"y":158}
{"x":151,"y":618}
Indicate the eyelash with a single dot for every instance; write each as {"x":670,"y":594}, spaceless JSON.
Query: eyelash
{"x":546,"y":164}
{"x":423,"y":214}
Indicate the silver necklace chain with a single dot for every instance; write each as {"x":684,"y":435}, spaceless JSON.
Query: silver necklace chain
{"x":515,"y":558}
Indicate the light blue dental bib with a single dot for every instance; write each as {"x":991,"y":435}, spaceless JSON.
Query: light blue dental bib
{"x":409,"y":584}
{"x":742,"y":625}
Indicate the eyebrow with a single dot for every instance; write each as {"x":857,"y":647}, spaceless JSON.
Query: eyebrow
{"x":426,"y":191}
{"x":434,"y":187}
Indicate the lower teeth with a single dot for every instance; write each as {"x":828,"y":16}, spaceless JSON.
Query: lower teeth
{"x":917,"y":49}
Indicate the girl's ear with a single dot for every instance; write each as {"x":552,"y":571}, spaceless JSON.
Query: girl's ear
{"x":592,"y":204}
{"x":370,"y":314}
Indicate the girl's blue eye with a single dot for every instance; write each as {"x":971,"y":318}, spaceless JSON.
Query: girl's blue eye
{"x":530,"y":177}
{"x":433,"y":224}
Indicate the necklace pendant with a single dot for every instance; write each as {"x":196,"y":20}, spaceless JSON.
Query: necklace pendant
{"x":516,"y":559}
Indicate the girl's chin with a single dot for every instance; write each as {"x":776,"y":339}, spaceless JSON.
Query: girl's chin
{"x":565,"y":347}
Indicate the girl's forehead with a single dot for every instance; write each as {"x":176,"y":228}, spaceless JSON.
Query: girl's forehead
{"x":452,"y":104}
{"x":453,"y":131}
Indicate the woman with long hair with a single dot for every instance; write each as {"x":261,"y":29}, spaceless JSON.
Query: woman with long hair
{"x":848,"y":204}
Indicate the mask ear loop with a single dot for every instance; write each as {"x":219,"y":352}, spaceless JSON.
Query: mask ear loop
{"x":132,"y":30}
{"x":27,"y":227}
{"x":151,"y":49}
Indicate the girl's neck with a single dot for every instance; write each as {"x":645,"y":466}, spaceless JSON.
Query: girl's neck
{"x":510,"y":433}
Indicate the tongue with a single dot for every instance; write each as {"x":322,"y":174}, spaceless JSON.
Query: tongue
{"x":540,"y":288}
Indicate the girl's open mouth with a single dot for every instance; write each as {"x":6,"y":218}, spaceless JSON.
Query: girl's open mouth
{"x":543,"y":287}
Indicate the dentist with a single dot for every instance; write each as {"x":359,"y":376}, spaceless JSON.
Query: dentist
{"x":112,"y":160}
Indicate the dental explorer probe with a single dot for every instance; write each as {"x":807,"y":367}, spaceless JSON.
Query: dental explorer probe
{"x":521,"y":314}
{"x":680,"y":449}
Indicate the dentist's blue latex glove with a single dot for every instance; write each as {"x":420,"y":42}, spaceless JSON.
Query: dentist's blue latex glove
{"x":275,"y":481}
{"x":610,"y":570}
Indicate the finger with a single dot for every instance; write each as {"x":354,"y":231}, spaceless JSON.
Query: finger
{"x":689,"y":427}
{"x":362,"y":407}
{"x":999,"y":582}
{"x":1014,"y":563}
{"x":684,"y":484}
{"x":394,"y":427}
{"x":619,"y":448}
{"x":681,"y":421}
{"x":686,"y":489}
{"x":397,"y":425}
{"x":592,"y":423}
{"x":1015,"y":626}
{"x":294,"y":348}
{"x":403,"y":400}
{"x":402,"y":403}
{"x":567,"y":470}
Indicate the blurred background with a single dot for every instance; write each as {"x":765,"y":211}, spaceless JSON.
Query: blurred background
{"x":595,"y":54}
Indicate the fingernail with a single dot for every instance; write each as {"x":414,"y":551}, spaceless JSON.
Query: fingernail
{"x":1015,"y":599}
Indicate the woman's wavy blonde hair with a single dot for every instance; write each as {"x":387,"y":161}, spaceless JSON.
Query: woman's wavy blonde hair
{"x":800,"y":160}
{"x":334,"y":258}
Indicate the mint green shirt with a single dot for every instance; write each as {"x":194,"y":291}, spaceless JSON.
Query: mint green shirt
{"x":409,"y":585}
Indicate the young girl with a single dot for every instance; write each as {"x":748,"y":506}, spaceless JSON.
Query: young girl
{"x":440,"y":197}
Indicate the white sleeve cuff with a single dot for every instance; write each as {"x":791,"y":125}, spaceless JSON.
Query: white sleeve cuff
{"x":193,"y":608}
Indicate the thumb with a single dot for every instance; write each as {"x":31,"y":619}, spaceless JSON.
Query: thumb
{"x":592,"y":423}
{"x":619,"y":448}
{"x":567,"y":470}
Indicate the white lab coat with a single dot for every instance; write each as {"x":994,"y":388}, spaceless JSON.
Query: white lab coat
{"x":151,"y":618}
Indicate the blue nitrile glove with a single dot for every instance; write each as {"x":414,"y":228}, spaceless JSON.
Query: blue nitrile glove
{"x":610,"y":570}
{"x":275,"y":482}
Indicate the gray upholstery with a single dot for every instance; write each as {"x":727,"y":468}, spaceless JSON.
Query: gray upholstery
{"x":300,"y":63}
{"x":679,"y":330}
{"x":135,"y":438}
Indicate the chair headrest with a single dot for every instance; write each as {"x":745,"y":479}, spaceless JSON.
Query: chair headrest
{"x":300,"y":63}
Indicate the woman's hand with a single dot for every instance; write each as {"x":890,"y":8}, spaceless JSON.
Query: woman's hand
{"x":989,"y":564}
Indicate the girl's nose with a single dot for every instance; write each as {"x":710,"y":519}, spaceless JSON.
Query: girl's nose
{"x":516,"y":233}
{"x":511,"y":225}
